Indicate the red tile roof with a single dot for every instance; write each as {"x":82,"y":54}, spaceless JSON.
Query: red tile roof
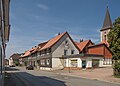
{"x":44,"y":45}
{"x":27,"y":53}
{"x":83,"y":44}
{"x":53,"y":41}
{"x":15,"y":56}
{"x":41,"y":45}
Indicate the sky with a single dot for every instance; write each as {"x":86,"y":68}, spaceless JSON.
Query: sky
{"x":36,"y":21}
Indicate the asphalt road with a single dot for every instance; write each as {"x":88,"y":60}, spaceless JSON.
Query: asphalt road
{"x":43,"y":78}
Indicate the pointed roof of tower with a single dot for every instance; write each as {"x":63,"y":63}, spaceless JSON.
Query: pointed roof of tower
{"x":107,"y":21}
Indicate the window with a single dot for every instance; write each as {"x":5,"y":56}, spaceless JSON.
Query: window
{"x":66,"y":42}
{"x":40,"y":52}
{"x":65,"y":52}
{"x":42,"y":62}
{"x":105,"y":37}
{"x":49,"y":50}
{"x":74,"y":63}
{"x":48,"y":61}
{"x":45,"y":51}
{"x":72,"y":51}
{"x":66,"y":45}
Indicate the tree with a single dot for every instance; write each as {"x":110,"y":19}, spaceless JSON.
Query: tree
{"x":114,"y":42}
{"x":114,"y":39}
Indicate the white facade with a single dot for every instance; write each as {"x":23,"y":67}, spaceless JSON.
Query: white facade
{"x":11,"y":62}
{"x":60,"y":46}
{"x":103,"y":34}
{"x":79,"y":63}
{"x":59,"y":50}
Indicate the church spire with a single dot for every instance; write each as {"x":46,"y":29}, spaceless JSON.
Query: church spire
{"x":107,"y":21}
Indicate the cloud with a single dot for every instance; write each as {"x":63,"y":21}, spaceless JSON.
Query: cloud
{"x":42,"y":6}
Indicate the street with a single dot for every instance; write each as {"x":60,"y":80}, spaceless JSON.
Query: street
{"x":23,"y":77}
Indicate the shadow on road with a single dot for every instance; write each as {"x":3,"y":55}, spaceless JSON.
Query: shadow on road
{"x":11,"y":69}
{"x":26,"y":79}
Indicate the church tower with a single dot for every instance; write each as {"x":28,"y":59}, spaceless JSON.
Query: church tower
{"x":107,"y":25}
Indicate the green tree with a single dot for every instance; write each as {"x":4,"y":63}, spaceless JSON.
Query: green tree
{"x":114,"y":42}
{"x":114,"y":39}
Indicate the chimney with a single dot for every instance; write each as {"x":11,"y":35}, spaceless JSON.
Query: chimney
{"x":59,"y":33}
{"x":81,"y":40}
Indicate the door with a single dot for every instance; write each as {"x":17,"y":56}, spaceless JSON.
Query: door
{"x":95,"y":63}
{"x":83,"y":63}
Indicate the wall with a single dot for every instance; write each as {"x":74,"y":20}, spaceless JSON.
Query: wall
{"x":99,"y":50}
{"x":105,"y":32}
{"x":68,"y":62}
{"x":58,"y":51}
{"x":89,"y":61}
{"x":57,"y":64}
{"x":10,"y":61}
{"x":108,"y":54}
{"x":59,"y":47}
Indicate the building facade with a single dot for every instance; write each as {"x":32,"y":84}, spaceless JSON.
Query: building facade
{"x":14,"y":59}
{"x":62,"y":52}
{"x":4,"y":35}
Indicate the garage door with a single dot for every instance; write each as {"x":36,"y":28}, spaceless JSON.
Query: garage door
{"x":95,"y":63}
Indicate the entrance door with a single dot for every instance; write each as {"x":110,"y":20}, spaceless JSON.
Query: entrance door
{"x":83,"y":63}
{"x":95,"y":63}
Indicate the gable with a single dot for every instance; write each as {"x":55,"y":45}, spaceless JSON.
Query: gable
{"x":83,"y":45}
{"x":52,"y":41}
{"x":100,"y":49}
{"x":60,"y":46}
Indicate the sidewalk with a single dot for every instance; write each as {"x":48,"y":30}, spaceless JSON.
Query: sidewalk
{"x":102,"y":74}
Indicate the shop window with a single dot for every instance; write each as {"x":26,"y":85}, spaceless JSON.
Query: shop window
{"x":74,"y":63}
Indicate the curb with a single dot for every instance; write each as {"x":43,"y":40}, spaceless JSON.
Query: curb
{"x":89,"y":78}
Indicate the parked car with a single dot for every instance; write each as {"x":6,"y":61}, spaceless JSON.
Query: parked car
{"x":29,"y":67}
{"x":12,"y":66}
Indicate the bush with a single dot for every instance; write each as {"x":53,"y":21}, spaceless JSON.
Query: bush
{"x":116,"y":68}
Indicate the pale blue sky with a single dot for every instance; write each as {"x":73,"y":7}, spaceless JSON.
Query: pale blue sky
{"x":35,"y":21}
